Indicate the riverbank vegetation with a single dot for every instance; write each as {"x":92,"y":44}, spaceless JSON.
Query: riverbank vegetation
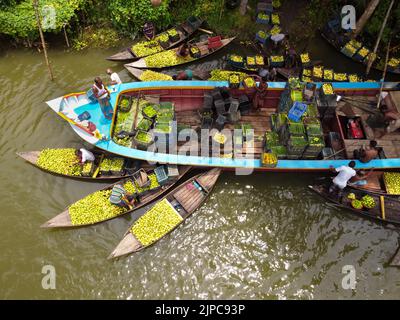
{"x":95,"y":23}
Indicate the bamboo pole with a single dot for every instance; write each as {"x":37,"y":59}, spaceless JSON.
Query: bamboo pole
{"x":65,"y":35}
{"x":365,"y":16}
{"x":35,"y":6}
{"x":378,"y":40}
{"x":383,"y":75}
{"x":222,"y":9}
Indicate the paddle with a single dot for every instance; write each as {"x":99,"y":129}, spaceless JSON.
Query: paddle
{"x":96,"y":172}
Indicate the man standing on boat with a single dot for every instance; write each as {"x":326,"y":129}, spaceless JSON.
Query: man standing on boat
{"x":103,"y":97}
{"x":345,"y":174}
{"x":115,"y":79}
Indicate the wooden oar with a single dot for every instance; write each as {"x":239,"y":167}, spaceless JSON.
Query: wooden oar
{"x":96,"y":172}
{"x":205,"y":31}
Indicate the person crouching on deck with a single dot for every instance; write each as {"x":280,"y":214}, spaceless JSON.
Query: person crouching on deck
{"x":103,"y":97}
{"x":340,"y":181}
{"x":184,"y":75}
{"x":121,"y":198}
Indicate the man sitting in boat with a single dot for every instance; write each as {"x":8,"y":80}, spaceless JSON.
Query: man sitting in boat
{"x":120,"y":197}
{"x":85,"y":155}
{"x":345,"y":174}
{"x":366,"y":154}
{"x":103,"y":97}
{"x":184,"y":75}
{"x":183,"y":51}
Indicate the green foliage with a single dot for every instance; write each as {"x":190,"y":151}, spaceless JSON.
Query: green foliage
{"x":130,"y":15}
{"x":375,"y":22}
{"x":19,"y":20}
{"x":228,"y":22}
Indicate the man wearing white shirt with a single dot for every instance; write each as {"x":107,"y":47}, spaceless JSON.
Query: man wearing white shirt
{"x":115,"y":79}
{"x":345,"y":174}
{"x":85,"y":155}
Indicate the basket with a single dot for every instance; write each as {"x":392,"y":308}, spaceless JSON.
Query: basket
{"x":234,"y":81}
{"x":161,"y":175}
{"x":123,"y":107}
{"x":195,"y":52}
{"x":269,"y":160}
{"x":262,"y":36}
{"x":141,"y":178}
{"x":249,"y":82}
{"x":173,"y":35}
{"x":276,"y":61}
{"x":239,"y":63}
{"x":140,"y":140}
{"x":263,"y":18}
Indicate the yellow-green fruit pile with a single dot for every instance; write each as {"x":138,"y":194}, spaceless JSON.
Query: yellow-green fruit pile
{"x":146,"y":48}
{"x":153,"y":184}
{"x":149,"y":75}
{"x":87,"y":167}
{"x":62,"y":161}
{"x":368,"y":202}
{"x":155,"y":223}
{"x":166,"y":59}
{"x":222,"y":75}
{"x":130,"y":187}
{"x":111,"y":164}
{"x":392,"y":182}
{"x":94,"y":208}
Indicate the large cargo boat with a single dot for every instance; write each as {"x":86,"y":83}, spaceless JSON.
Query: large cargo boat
{"x":246,"y":123}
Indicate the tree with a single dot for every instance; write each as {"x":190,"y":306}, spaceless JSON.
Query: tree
{"x":365,"y":17}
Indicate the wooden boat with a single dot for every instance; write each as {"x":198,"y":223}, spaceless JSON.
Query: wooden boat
{"x":333,"y":38}
{"x":33,"y":156}
{"x":63,"y":220}
{"x":188,"y":98}
{"x":204,"y":52}
{"x":375,"y":185}
{"x":185,"y":31}
{"x":386,"y":209}
{"x":188,"y":200}
{"x":137,"y":73}
{"x":395,"y":261}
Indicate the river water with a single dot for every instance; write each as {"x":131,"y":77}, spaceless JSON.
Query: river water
{"x":264,"y":236}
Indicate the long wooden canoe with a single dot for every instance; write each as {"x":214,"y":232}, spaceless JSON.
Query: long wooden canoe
{"x":137,"y":73}
{"x":203,"y":46}
{"x":395,"y":261}
{"x":334,"y":44}
{"x":386,"y":209}
{"x":184,"y":30}
{"x":375,"y":185}
{"x":33,"y":156}
{"x":63,"y":220}
{"x":187,"y":197}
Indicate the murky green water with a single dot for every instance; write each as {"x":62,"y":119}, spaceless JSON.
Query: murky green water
{"x":259,"y":237}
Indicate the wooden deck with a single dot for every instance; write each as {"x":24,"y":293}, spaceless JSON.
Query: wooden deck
{"x":259,"y":120}
{"x":358,"y":106}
